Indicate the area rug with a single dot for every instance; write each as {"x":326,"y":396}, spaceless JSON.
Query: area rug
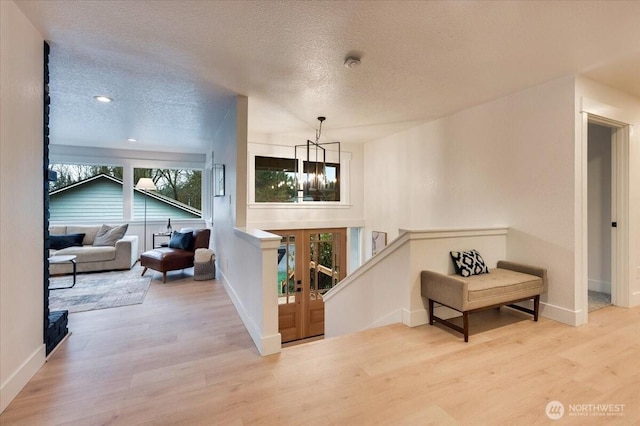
{"x":98,"y":290}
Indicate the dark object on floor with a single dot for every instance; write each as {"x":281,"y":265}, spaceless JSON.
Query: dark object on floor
{"x":57,"y":328}
{"x":165,"y":259}
{"x":507,"y":284}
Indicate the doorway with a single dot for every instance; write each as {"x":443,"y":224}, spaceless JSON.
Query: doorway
{"x":310,"y":263}
{"x":600,"y":214}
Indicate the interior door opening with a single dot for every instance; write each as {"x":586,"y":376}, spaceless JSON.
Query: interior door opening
{"x":601,"y":185}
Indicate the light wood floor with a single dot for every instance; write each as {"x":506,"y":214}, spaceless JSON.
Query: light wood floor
{"x":184,"y":357}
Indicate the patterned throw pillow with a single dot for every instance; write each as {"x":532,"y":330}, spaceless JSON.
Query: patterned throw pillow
{"x":468,"y":263}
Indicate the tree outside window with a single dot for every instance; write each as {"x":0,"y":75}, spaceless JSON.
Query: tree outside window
{"x":180,"y":185}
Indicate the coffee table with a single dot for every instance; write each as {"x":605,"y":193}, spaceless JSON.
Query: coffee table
{"x":62,"y":259}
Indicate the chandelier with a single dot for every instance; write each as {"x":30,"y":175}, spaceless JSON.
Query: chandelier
{"x":314,"y":183}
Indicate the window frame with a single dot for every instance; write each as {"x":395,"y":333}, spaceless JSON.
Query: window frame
{"x":65,"y":154}
{"x":282,"y":151}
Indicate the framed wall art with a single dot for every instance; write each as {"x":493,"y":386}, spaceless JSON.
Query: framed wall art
{"x":378,"y":241}
{"x":218,"y":180}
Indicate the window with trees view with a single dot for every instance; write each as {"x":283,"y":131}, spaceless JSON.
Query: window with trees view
{"x":177,"y":185}
{"x":96,"y":192}
{"x":275,"y":181}
{"x":69,"y":174}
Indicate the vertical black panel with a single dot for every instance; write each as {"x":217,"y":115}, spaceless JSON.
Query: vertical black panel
{"x":45,"y":188}
{"x":55,"y":323}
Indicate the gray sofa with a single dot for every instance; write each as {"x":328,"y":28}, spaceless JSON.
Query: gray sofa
{"x":91,"y":258}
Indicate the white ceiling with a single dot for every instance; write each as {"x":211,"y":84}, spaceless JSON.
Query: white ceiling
{"x":172,"y":66}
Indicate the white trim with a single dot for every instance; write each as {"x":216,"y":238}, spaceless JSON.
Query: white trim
{"x":415,"y":318}
{"x":283,"y":151}
{"x":620,"y":286}
{"x":581,"y":228}
{"x":560,"y":314}
{"x":19,"y":379}
{"x":602,"y":113}
{"x":258,"y":237}
{"x":69,"y":154}
{"x":309,"y":224}
{"x":393,"y":317}
{"x":309,"y":205}
{"x":406,"y":235}
{"x":620,"y":121}
{"x":266,"y":345}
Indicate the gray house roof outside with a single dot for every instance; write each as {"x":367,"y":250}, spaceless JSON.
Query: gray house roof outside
{"x":100,"y":197}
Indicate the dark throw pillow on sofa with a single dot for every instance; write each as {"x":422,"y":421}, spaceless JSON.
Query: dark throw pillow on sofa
{"x":182,"y":240}
{"x":59,"y":242}
{"x":107,"y":235}
{"x":468,"y":263}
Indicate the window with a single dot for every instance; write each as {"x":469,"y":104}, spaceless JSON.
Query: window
{"x":95,"y":193}
{"x":86,"y":192}
{"x":178,"y":194}
{"x":275,"y":180}
{"x":319,"y":184}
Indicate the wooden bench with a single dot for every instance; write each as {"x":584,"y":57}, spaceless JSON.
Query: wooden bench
{"x":506,"y":284}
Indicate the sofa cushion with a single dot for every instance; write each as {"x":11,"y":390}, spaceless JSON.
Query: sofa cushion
{"x":57,"y":229}
{"x":108,"y":235}
{"x":89,"y":232}
{"x":89,"y":253}
{"x":182,"y":240}
{"x":467,"y":263}
{"x":58,"y":242}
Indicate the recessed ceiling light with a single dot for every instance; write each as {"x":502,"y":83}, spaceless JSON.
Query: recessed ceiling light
{"x":104,"y":99}
{"x":132,"y":140}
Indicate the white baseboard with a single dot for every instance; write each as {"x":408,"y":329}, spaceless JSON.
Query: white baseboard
{"x":600,"y":286}
{"x":560,"y":314}
{"x":14,"y":384}
{"x":271,"y":344}
{"x":415,"y":318}
{"x":391,"y":318}
{"x":267,"y":345}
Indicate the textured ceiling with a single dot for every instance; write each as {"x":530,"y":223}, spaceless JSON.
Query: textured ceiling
{"x":172,"y":66}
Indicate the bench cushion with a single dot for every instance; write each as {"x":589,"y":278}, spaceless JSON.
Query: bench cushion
{"x":500,"y":282}
{"x":499,"y":286}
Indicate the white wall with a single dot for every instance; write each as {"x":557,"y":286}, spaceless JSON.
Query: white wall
{"x":506,"y":162}
{"x":614,"y":104}
{"x":22,"y":351}
{"x":246,"y":259}
{"x":387,"y":289}
{"x":599,"y":202}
